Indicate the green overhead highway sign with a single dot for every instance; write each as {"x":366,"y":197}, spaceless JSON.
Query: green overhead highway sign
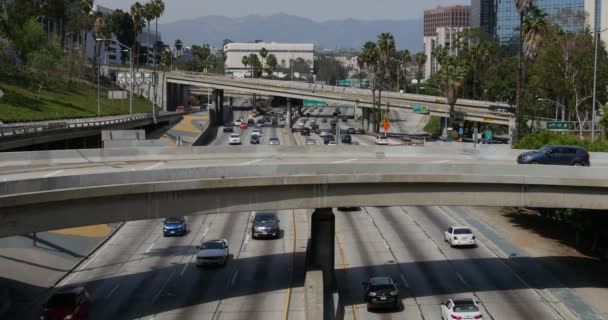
{"x":558,"y":125}
{"x":420,"y":109}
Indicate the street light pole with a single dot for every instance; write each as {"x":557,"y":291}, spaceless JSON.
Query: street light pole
{"x":98,"y":77}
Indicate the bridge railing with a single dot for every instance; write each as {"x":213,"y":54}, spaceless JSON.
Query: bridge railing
{"x":8,"y":131}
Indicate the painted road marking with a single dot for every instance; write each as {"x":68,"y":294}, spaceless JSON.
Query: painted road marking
{"x":164,"y":285}
{"x":149,"y":248}
{"x":461,"y":278}
{"x":112,"y":291}
{"x":54,"y":173}
{"x":345,"y":161}
{"x":250,"y":162}
{"x":236,"y":274}
{"x":154,"y":166}
{"x":407,"y":285}
{"x":345,"y":264}
{"x":291,"y":263}
{"x":442,"y":161}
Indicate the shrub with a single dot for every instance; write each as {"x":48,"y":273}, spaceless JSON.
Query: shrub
{"x":539,"y":140}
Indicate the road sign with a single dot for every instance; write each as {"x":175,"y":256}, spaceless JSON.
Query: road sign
{"x":489,"y":135}
{"x":420,"y":109}
{"x":118,"y":94}
{"x":137,"y":78}
{"x":461,"y":131}
{"x":558,"y":125}
{"x":386,"y":124}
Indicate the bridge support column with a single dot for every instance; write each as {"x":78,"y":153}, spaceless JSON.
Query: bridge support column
{"x":213,"y":112}
{"x":321,"y":257}
{"x":288,"y":118}
{"x":184,"y":94}
{"x":366,"y":119}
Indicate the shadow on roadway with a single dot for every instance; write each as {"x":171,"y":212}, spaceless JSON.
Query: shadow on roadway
{"x":270,"y":273}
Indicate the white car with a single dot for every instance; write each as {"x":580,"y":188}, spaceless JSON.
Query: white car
{"x":213,"y":252}
{"x":332,"y":143}
{"x":381,"y":141}
{"x":466,"y":308}
{"x":257,"y":132}
{"x":234,"y":139}
{"x":238,"y":122}
{"x":310,"y":141}
{"x":459,"y":236}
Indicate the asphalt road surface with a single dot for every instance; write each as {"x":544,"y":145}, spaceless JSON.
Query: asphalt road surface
{"x":139,"y":274}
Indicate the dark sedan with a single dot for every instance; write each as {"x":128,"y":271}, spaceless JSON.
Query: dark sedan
{"x":265,"y":224}
{"x":556,"y":155}
{"x":382,"y":292}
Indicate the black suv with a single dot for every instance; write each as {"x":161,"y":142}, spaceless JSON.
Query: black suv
{"x":556,"y":155}
{"x":228,"y":127}
{"x":381,"y":292}
{"x":255,"y":139}
{"x":265,"y":224}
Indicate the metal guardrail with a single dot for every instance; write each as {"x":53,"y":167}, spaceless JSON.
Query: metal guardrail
{"x":9,"y":131}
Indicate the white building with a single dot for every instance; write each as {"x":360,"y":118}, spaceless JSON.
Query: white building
{"x":590,"y":9}
{"x":284,"y":52}
{"x":446,"y":37}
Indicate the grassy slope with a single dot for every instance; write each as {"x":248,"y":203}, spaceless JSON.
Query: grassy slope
{"x":433,"y":126}
{"x":21,"y":104}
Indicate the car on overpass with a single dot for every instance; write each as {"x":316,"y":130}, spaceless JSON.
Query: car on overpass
{"x":215,"y":252}
{"x":274,"y":141}
{"x":311,"y":141}
{"x":459,"y":236}
{"x":460,"y":309}
{"x":235,"y":138}
{"x":174,"y":226}
{"x":381,"y":292}
{"x":556,"y":155}
{"x":67,"y":303}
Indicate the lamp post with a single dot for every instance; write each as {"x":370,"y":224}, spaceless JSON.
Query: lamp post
{"x":557,"y":106}
{"x":126,"y":49}
{"x":597,"y":41}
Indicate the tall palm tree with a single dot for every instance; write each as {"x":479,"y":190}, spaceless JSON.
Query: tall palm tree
{"x":534,"y":28}
{"x":523,"y":6}
{"x":178,"y":47}
{"x":245,"y":61}
{"x":263,"y":54}
{"x":420,"y":59}
{"x":386,"y":51}
{"x":148,"y":15}
{"x":451,"y":76}
{"x":370,"y":57}
{"x":158,"y":9}
{"x":138,"y":25}
{"x":404,"y":57}
{"x":361,"y":65}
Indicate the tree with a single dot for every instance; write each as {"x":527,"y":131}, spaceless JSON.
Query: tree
{"x":272,"y":63}
{"x":370,"y":57}
{"x":256,"y":65}
{"x":404,"y":58}
{"x":158,"y":9}
{"x":263,"y":54}
{"x":178,"y":47}
{"x":46,"y":65}
{"x":202,"y":52}
{"x":330,"y":70}
{"x":31,"y":38}
{"x":121,"y":25}
{"x":165,"y":59}
{"x":245,"y":62}
{"x":451,"y":77}
{"x":148,"y":15}
{"x":420,"y":59}
{"x":138,"y":25}
{"x":386,"y":52}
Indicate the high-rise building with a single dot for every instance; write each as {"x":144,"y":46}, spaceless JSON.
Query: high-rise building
{"x":507,"y":17}
{"x":483,"y":15}
{"x":602,"y":16}
{"x":441,"y":28}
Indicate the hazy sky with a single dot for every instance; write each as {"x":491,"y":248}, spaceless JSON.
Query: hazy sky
{"x":314,"y":9}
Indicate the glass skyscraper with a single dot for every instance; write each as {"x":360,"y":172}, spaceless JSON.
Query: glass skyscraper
{"x":507,"y":17}
{"x":483,"y":15}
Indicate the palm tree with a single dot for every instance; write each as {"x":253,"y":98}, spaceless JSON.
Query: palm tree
{"x":178,"y":47}
{"x":245,"y":62}
{"x":138,"y":25}
{"x":405,"y":57}
{"x":451,"y":76}
{"x":370,"y":58}
{"x":361,"y":65}
{"x":386,"y":51}
{"x":271,"y":63}
{"x":148,"y":15}
{"x":263,"y":54}
{"x":420,"y":59}
{"x":158,"y":9}
{"x":523,"y":6}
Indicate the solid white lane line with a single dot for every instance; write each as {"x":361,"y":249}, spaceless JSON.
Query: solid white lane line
{"x":234,"y":278}
{"x":205,"y":232}
{"x":181,"y":274}
{"x":386,"y":244}
{"x":407,"y":285}
{"x":150,"y":248}
{"x":345,"y":161}
{"x":154,"y":166}
{"x":54,"y":173}
{"x":112,"y":291}
{"x":164,"y":286}
{"x":462,"y":279}
{"x":442,"y":161}
{"x":250,"y":162}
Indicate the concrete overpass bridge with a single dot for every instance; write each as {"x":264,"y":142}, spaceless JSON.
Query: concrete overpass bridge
{"x":472,"y":110}
{"x":49,"y":190}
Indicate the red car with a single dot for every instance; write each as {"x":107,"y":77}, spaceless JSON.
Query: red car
{"x":67,"y":303}
{"x":243,"y":125}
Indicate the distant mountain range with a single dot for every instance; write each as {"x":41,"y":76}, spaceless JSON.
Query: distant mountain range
{"x":342,"y":34}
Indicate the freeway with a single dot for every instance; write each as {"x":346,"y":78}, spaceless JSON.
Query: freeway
{"x":139,"y":274}
{"x":407,"y":244}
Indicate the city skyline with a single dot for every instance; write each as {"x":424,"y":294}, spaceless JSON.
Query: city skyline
{"x":335,"y":10}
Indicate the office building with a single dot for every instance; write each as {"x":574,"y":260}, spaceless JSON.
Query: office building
{"x":441,"y":28}
{"x":284,"y":52}
{"x":110,"y":54}
{"x":507,"y":17}
{"x":483,"y":15}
